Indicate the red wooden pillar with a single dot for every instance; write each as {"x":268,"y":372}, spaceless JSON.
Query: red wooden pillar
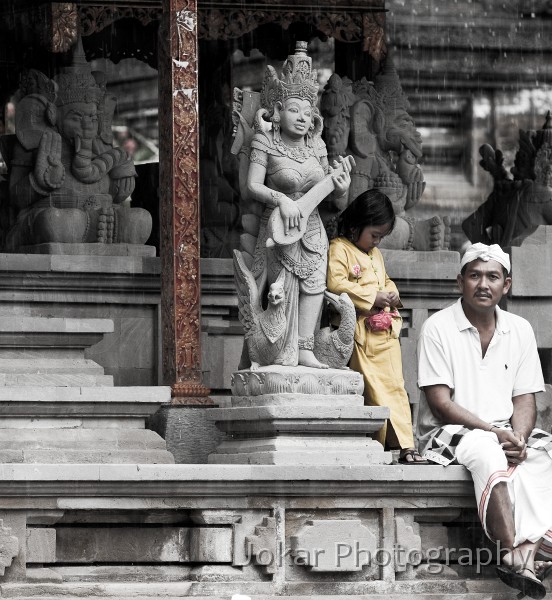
{"x":179,"y":191}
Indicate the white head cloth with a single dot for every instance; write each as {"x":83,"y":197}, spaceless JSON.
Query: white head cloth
{"x":484,"y":252}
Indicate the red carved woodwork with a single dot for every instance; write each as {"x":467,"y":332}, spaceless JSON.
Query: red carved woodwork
{"x":179,"y":180}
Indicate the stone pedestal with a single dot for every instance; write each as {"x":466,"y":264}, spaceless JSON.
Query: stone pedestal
{"x":299,"y":416}
{"x":38,"y":351}
{"x":56,"y":406}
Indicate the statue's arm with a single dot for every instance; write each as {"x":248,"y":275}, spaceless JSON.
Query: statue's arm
{"x":257,"y":189}
{"x":340,"y":196}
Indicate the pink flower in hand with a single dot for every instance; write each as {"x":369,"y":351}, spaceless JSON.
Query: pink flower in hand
{"x":382,"y":320}
{"x":356,"y":270}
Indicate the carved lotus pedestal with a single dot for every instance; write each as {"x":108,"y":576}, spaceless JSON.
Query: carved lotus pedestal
{"x":299,"y":416}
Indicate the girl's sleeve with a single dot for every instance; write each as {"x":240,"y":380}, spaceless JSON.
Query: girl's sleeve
{"x":362,"y":295}
{"x":390,"y":285}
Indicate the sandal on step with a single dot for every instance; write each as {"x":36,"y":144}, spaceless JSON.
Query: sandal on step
{"x":528,"y":586}
{"x":410,"y":456}
{"x":545,"y":569}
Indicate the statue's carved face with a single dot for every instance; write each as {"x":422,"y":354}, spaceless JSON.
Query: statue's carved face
{"x":296,"y":118}
{"x":78,"y":119}
{"x":403,"y":132}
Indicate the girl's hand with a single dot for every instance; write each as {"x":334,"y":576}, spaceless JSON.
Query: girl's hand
{"x":382,"y":300}
{"x":394,"y":299}
{"x":290,"y":213}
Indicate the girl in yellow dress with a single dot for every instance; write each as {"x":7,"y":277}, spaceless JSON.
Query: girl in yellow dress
{"x":355,"y":266}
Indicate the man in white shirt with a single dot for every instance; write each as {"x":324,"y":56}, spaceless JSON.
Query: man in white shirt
{"x":479,"y":369}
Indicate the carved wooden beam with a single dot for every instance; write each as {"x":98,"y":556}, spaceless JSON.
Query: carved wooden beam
{"x":179,"y":183}
{"x":59,"y":29}
{"x":94,"y":19}
{"x":342,"y":20}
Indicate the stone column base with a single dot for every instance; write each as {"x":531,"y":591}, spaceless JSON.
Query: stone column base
{"x":299,"y":416}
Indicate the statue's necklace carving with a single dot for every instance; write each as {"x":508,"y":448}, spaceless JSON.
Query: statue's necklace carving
{"x":297,"y":153}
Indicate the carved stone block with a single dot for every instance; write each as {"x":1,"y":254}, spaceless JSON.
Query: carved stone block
{"x":334,"y":546}
{"x":9,"y":547}
{"x":262,"y":545}
{"x":211,"y":545}
{"x":408,"y":548}
{"x":277,"y":379}
{"x":41,"y":545}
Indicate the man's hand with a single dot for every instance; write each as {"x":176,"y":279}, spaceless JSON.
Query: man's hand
{"x":513,"y":444}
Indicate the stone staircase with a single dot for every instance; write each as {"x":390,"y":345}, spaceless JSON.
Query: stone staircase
{"x":56,"y":406}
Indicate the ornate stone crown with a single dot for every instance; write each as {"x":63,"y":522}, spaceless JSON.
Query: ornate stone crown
{"x":298,"y":80}
{"x":76,"y":82}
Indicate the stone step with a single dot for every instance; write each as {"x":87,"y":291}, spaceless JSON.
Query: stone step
{"x":80,"y":402}
{"x":20,"y":331}
{"x":458,"y":590}
{"x":23,"y":324}
{"x":126,"y":394}
{"x":32,"y":364}
{"x":72,"y":422}
{"x":48,"y":353}
{"x":55,"y":380}
{"x":86,"y":456}
{"x":124,"y":439}
{"x":313,"y":457}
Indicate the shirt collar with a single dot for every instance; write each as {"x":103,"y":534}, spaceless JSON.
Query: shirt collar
{"x":463,"y":323}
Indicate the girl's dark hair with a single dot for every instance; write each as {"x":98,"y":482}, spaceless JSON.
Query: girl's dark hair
{"x":370,"y":208}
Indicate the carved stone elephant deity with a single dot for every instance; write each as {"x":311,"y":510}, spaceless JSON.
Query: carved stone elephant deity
{"x":387,"y":147}
{"x":68,"y":184}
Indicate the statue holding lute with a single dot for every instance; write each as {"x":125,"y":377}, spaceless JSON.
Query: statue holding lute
{"x":287,"y":177}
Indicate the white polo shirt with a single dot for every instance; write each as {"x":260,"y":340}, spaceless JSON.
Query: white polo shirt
{"x":449,"y":353}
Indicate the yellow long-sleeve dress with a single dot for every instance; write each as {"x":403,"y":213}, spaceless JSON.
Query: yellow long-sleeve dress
{"x":376,"y":354}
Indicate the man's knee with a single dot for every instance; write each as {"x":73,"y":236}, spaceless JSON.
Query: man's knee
{"x":480,"y":447}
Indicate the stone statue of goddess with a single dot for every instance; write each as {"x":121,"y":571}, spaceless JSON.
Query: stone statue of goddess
{"x":287,"y":158}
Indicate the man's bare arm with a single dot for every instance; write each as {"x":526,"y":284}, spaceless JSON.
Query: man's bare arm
{"x":448,"y":412}
{"x":522,"y":421}
{"x":525,"y":414}
{"x":440,"y":402}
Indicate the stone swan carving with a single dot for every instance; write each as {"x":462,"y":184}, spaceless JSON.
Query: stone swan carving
{"x":68,"y":184}
{"x":264,"y":328}
{"x":334,"y":346}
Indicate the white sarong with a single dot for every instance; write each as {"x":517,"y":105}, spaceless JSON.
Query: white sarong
{"x":529,"y":485}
